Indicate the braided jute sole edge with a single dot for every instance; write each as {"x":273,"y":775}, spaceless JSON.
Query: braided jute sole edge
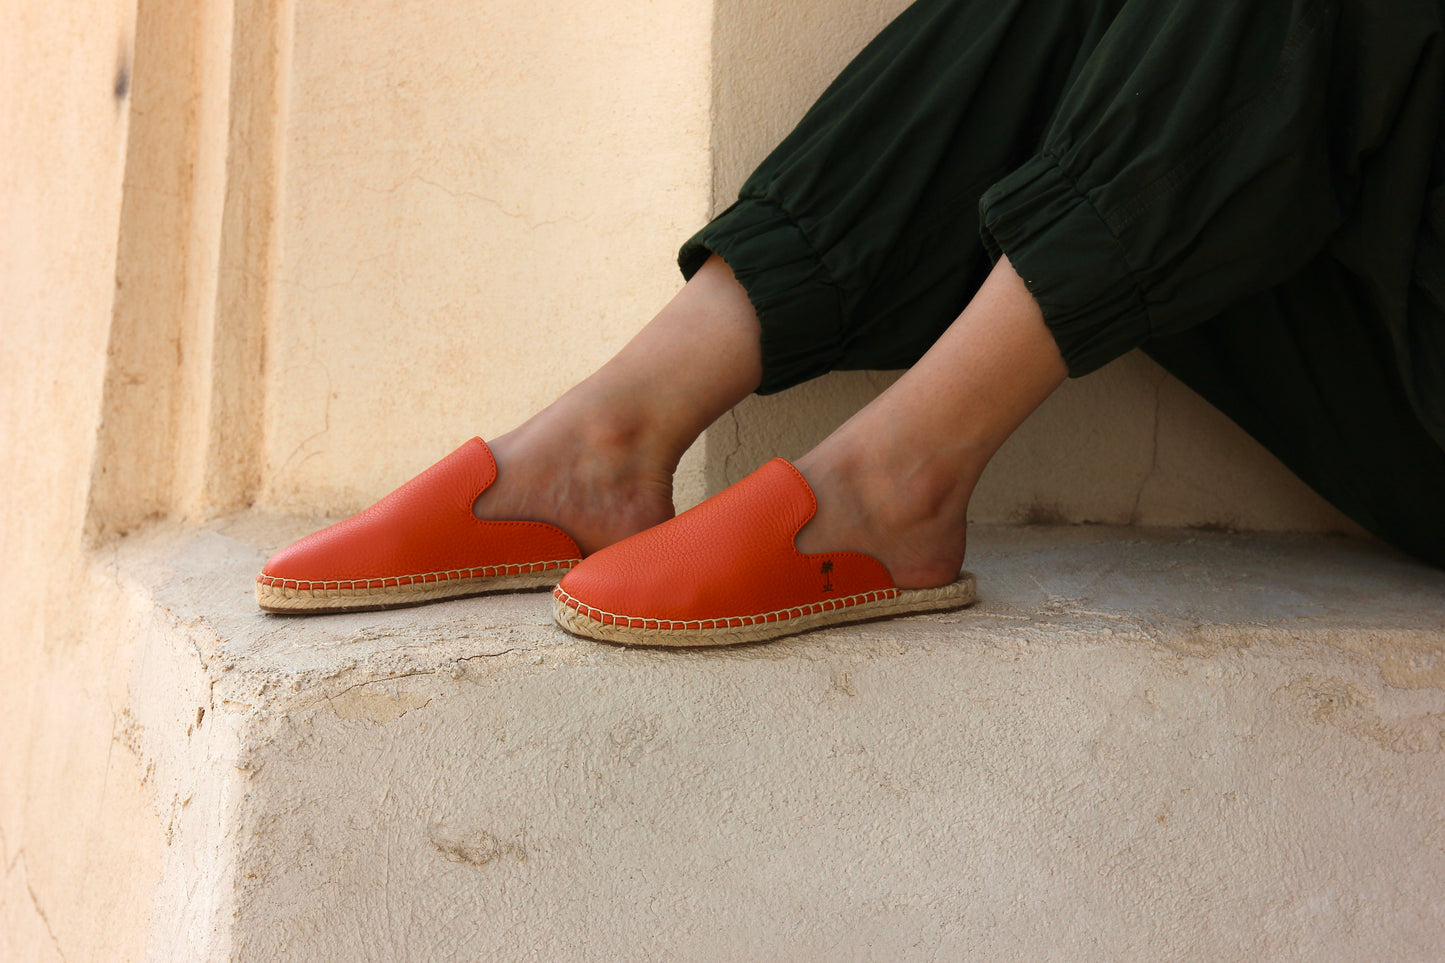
{"x":286,"y":600}
{"x":954,"y":595}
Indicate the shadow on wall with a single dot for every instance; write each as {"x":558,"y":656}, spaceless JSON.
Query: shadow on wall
{"x":1126,"y":445}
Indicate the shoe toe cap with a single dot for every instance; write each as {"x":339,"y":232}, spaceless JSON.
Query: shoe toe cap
{"x":321,"y":557}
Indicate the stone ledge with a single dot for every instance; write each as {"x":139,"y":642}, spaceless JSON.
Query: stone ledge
{"x":1139,"y":744}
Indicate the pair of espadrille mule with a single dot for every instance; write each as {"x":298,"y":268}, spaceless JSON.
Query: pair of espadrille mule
{"x":724,"y":572}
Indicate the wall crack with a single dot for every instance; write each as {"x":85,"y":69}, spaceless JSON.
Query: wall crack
{"x":1134,"y":513}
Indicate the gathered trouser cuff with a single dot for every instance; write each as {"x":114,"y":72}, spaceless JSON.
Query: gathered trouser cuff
{"x":799,"y":307}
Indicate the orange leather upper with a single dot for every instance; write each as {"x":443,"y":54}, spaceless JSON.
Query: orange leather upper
{"x":423,"y":531}
{"x":730,"y":559}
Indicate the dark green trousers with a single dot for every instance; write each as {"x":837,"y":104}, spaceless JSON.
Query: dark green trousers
{"x":1254,"y":193}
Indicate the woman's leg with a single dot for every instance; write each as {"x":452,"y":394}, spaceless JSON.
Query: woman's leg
{"x":895,"y":480}
{"x":598,"y":462}
{"x":870,"y":524}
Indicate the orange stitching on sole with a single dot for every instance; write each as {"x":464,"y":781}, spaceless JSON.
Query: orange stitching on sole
{"x":589,"y":622}
{"x":400,"y":581}
{"x":780,"y":615}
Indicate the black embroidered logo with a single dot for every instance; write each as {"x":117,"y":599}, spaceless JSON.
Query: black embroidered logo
{"x":827,"y":571}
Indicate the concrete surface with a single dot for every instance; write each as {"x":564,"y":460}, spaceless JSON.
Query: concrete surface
{"x":76,"y":836}
{"x":1141,"y":745}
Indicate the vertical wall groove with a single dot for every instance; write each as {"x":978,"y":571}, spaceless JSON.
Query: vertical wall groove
{"x":181,"y":415}
{"x":249,"y":241}
{"x":132,"y":475}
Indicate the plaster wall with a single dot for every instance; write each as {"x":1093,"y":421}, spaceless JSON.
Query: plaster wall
{"x":1128,"y":444}
{"x":478,"y":204}
{"x":79,"y":845}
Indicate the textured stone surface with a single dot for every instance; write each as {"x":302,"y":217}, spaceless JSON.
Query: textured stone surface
{"x":1140,"y":745}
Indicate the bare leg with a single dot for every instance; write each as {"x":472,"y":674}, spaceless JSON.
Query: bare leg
{"x":895,"y":480}
{"x":599,"y":461}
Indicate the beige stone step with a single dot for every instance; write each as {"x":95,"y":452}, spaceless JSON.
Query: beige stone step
{"x":1139,"y":745}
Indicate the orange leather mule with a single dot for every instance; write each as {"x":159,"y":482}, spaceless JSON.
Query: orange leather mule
{"x":419,"y":544}
{"x":727,"y":571}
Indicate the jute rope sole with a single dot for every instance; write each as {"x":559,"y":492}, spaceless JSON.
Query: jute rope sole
{"x":610,"y":627}
{"x":288,"y":599}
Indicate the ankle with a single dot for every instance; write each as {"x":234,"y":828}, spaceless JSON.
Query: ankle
{"x":893,"y":491}
{"x":910,"y":513}
{"x":621,"y":426}
{"x":592,"y":478}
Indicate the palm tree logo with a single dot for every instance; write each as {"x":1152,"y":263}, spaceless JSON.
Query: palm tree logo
{"x":827,"y":580}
